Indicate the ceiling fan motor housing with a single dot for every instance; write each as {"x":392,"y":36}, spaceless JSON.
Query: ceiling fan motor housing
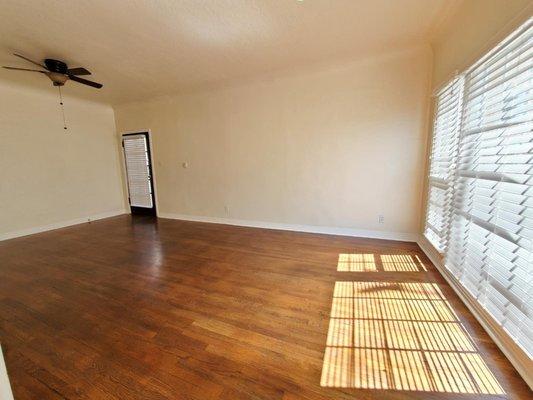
{"x":55,"y":66}
{"x":58,"y":70}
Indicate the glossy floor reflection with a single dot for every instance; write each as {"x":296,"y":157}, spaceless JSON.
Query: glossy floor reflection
{"x":401,"y":336}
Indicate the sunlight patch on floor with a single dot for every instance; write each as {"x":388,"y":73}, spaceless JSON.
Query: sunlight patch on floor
{"x":402,"y":263}
{"x":401,"y":336}
{"x":367,"y":262}
{"x":356,"y":263}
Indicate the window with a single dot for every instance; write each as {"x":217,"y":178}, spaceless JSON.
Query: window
{"x":443,"y":162}
{"x":480,"y":201}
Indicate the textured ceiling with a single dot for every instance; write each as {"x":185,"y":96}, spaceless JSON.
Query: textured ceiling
{"x":141,"y":49}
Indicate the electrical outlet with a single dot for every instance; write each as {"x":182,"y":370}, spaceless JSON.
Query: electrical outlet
{"x":381,"y":219}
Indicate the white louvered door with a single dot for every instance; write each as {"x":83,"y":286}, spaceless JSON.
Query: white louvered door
{"x":138,"y":170}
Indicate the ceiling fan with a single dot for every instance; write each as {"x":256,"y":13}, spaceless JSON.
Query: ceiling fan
{"x":58,"y":72}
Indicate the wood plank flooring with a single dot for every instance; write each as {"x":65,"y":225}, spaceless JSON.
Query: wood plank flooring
{"x":142,"y":309}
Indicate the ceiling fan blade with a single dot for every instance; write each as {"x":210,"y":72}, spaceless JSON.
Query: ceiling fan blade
{"x":78,"y":71}
{"x":27,"y":59}
{"x":85,"y":81}
{"x":25,"y":69}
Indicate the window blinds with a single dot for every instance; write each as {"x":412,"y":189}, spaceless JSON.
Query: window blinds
{"x":486,"y":228}
{"x":443,"y":163}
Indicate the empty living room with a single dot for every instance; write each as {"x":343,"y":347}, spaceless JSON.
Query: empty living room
{"x":266,"y":199}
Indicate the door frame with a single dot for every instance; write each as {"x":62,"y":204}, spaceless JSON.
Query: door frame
{"x":148,"y":134}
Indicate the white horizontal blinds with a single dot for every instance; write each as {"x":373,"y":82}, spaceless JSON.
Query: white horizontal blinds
{"x":491,"y":239}
{"x":138,"y":171}
{"x":443,"y":160}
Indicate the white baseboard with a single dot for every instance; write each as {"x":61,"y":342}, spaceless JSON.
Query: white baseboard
{"x":5,"y":387}
{"x":61,"y":224}
{"x":401,"y":236}
{"x":517,"y":357}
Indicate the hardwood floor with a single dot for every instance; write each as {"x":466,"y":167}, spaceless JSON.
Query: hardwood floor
{"x":137,"y":309}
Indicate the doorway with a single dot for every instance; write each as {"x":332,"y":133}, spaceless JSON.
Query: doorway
{"x":138,"y":162}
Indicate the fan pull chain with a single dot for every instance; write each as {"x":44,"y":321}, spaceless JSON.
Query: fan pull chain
{"x":62,"y":108}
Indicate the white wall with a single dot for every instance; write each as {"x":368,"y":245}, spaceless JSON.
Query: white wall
{"x":334,"y":147}
{"x":50,"y":177}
